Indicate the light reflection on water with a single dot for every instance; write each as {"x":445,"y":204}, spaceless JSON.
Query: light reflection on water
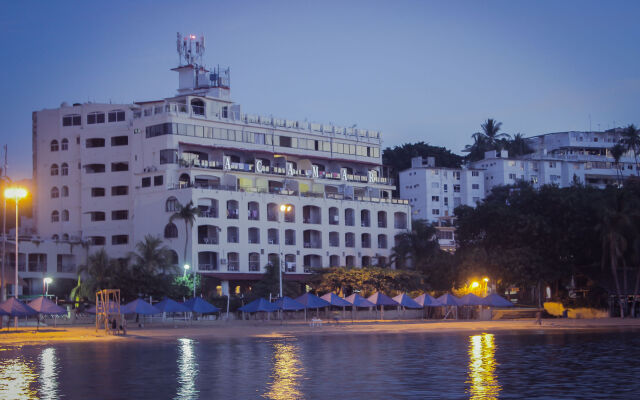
{"x":48,"y":374}
{"x":287,"y":372}
{"x":17,"y":379}
{"x":482,"y":365}
{"x":187,"y":370}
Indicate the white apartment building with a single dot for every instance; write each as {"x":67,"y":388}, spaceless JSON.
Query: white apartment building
{"x":559,"y":158}
{"x":434,"y":192}
{"x":113,"y":173}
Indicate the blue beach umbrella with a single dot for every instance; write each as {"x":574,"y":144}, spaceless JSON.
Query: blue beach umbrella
{"x":259,"y":305}
{"x":15,"y":308}
{"x":45,"y":306}
{"x":448,"y":300}
{"x":406,"y":301}
{"x":288,"y":304}
{"x":312,"y":301}
{"x":168,"y":305}
{"x":471,"y":299}
{"x":380,"y":299}
{"x":335,"y":300}
{"x":426,"y":300}
{"x":356,"y":300}
{"x":200,"y":306}
{"x":495,"y":300}
{"x":138,"y":306}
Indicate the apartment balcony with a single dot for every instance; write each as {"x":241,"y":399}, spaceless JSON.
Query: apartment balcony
{"x":207,"y":267}
{"x":66,"y":268}
{"x":233,"y":266}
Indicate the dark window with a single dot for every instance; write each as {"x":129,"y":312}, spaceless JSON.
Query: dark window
{"x":97,"y":240}
{"x":94,"y":168}
{"x":97,"y":192}
{"x":94,"y":142}
{"x":54,"y":145}
{"x":119,"y":140}
{"x":119,"y":214}
{"x":162,"y":129}
{"x":97,"y":216}
{"x":64,"y":144}
{"x":71,"y":120}
{"x":95,"y":118}
{"x":168,"y":156}
{"x":64,"y":169}
{"x":285,"y":141}
{"x":146,"y":182}
{"x":119,"y":239}
{"x":157,"y":180}
{"x":119,"y":166}
{"x":119,"y":190}
{"x":116,"y":116}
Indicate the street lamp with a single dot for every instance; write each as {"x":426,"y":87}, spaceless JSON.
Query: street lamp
{"x":284,"y":208}
{"x":16,"y":193}
{"x":45,"y":285}
{"x":186,"y":268}
{"x":486,"y":284}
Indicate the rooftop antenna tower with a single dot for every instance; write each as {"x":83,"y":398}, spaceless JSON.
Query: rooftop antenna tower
{"x":190,"y":49}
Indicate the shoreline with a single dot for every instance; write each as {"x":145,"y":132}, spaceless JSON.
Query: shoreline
{"x":162,"y":331}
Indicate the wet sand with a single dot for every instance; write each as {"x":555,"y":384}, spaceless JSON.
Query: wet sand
{"x":273,"y":329}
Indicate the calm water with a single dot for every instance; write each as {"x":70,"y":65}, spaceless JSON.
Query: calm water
{"x":412,"y":366}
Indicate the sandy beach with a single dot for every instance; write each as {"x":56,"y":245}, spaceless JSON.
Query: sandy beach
{"x":274,"y":329}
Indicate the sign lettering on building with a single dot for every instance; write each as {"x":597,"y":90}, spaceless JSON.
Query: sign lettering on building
{"x":226,"y":163}
{"x":259,"y":166}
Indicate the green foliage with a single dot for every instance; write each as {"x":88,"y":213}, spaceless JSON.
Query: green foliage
{"x":270,"y":283}
{"x":490,"y":138}
{"x":187,"y":213}
{"x":344,"y":281}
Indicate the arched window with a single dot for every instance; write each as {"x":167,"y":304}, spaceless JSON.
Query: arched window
{"x":184,"y":180}
{"x":54,"y":169}
{"x":170,"y":231}
{"x":254,"y":262}
{"x":65,"y":236}
{"x":54,"y":145}
{"x":55,"y":216}
{"x":55,"y":193}
{"x":65,"y":215}
{"x":173,"y":257}
{"x":64,"y":169}
{"x":197,"y":106}
{"x":54,"y":237}
{"x":172,"y":204}
{"x":64,"y":144}
{"x":65,"y":191}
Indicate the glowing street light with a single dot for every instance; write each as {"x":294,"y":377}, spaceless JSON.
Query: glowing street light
{"x":45,"y":283}
{"x":186,"y":268}
{"x":16,"y":193}
{"x":474,"y":285}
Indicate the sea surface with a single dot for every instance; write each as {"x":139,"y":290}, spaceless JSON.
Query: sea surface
{"x":596,"y":365}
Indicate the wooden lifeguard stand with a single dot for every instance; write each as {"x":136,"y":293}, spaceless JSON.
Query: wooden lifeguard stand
{"x":108,"y":308}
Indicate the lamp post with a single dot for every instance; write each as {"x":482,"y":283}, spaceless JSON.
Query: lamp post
{"x":486,"y":284}
{"x":16,"y":193}
{"x":186,"y":268}
{"x":45,"y":283}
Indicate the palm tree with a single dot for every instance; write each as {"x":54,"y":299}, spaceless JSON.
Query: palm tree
{"x":631,"y":139}
{"x":518,"y":146}
{"x":491,"y":129}
{"x":616,"y":152}
{"x":478,"y":148}
{"x":151,"y":257}
{"x":188,"y":214}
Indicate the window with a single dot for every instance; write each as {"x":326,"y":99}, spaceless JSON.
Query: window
{"x":55,"y":216}
{"x":119,"y":214}
{"x":171,"y":205}
{"x":119,"y":166}
{"x":65,"y":191}
{"x":94,"y":142}
{"x":146,"y":182}
{"x":54,"y":145}
{"x":552,"y":164}
{"x":475,"y":186}
{"x":119,"y":239}
{"x":64,"y":169}
{"x":97,"y":216}
{"x":169,"y":156}
{"x":65,"y":215}
{"x":55,"y":193}
{"x":446,"y":201}
{"x":512,"y":176}
{"x":116,"y":116}
{"x":119,"y":190}
{"x":233,"y":235}
{"x":95,"y":118}
{"x":97,"y":192}
{"x":435,"y":211}
{"x":64,"y":144}
{"x":456,"y":188}
{"x":54,"y":170}
{"x":170,"y":231}
{"x":71,"y":120}
{"x":158,"y":180}
{"x":475,"y":173}
{"x":94,"y":168}
{"x":285,"y":141}
{"x":445,"y":188}
{"x":97,"y":240}
{"x":119,"y":140}
{"x":435,"y":198}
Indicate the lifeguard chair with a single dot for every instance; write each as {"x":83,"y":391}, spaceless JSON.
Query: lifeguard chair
{"x":107,"y":309}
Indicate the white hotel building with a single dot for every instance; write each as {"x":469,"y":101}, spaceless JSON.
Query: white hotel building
{"x":110,"y":174}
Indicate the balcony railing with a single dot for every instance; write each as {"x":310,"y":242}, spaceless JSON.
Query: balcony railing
{"x":254,"y":266}
{"x":233,"y":266}
{"x":207,"y":267}
{"x":208,"y":240}
{"x":37,"y":267}
{"x":66,"y":268}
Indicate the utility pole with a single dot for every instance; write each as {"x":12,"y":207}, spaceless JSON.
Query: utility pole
{"x":3,"y":289}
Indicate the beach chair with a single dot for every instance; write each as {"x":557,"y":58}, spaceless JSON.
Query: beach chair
{"x":315,"y":322}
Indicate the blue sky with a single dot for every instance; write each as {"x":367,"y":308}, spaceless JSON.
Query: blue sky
{"x":416,"y":70}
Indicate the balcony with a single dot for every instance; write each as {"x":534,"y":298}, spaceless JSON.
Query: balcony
{"x":254,"y":266}
{"x":233,"y":266}
{"x":207,"y":267}
{"x":66,"y":268}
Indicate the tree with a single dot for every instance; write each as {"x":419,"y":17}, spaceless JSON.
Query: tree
{"x":616,"y":152}
{"x":631,"y":139}
{"x":188,"y":214}
{"x":345,"y":281}
{"x":414,"y":250}
{"x":478,"y":148}
{"x":491,"y":129}
{"x":270,"y":283}
{"x":152,"y":257}
{"x":518,"y":146}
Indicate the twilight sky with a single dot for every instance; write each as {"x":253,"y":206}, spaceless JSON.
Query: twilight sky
{"x":416,"y":70}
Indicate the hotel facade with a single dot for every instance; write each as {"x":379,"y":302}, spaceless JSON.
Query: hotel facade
{"x":312,"y":195}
